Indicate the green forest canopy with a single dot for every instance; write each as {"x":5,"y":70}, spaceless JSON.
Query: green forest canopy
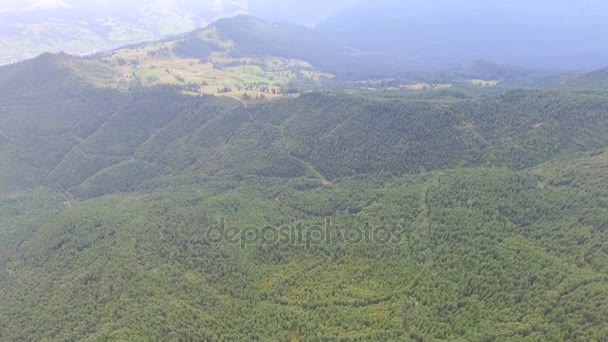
{"x":499,"y":200}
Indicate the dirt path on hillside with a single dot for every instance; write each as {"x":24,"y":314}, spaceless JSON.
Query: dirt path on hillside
{"x":308,"y":165}
{"x":240,"y":100}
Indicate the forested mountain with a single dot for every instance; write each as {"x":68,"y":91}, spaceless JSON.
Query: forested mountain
{"x":446,"y":212}
{"x":92,"y":131}
{"x":596,"y":79}
{"x":31,"y":27}
{"x":540,"y":34}
{"x":543,"y":34}
{"x":253,"y":61}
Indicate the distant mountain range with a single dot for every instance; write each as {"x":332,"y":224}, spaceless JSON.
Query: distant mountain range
{"x":245,"y":56}
{"x":29,"y":28}
{"x":538,"y":34}
{"x":541,"y":35}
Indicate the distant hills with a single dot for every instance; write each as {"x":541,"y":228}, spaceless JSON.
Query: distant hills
{"x":412,"y":33}
{"x":253,"y":60}
{"x":540,"y":34}
{"x":239,"y":57}
{"x":30,"y":28}
{"x":597,"y":78}
{"x":242,"y":57}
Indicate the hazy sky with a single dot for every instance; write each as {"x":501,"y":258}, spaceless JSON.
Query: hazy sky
{"x":297,"y":11}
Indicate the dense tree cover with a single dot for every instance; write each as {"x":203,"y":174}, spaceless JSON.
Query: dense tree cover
{"x":497,"y":205}
{"x":88,"y":132}
{"x":193,"y":47}
{"x":597,"y":79}
{"x":486,"y":254}
{"x":345,"y":135}
{"x":45,"y":110}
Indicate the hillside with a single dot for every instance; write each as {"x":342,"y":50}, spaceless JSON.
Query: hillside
{"x":233,"y":57}
{"x":242,"y":57}
{"x":31,"y":27}
{"x":595,"y":79}
{"x":143,"y":196}
{"x":153,"y":131}
{"x":83,"y":27}
{"x":484,"y":255}
{"x":253,"y":61}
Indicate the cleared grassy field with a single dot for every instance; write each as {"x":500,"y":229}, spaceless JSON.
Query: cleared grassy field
{"x":248,"y":79}
{"x":483,"y":83}
{"x":426,"y":86}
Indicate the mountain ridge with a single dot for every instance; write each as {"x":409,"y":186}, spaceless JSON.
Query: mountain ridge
{"x":450,"y":32}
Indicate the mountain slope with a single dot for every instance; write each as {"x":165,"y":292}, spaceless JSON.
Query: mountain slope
{"x":82,"y":27}
{"x":485,"y":255}
{"x":596,"y":79}
{"x":242,"y":57}
{"x":99,"y":138}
